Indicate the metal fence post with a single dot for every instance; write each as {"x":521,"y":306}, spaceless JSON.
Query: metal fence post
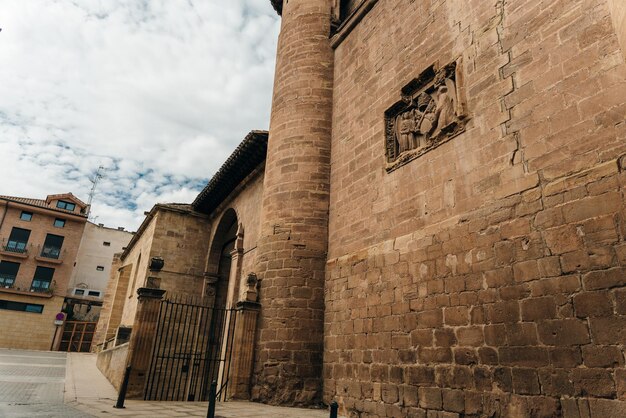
{"x":212,"y":398}
{"x":334,"y":407}
{"x":121,"y":397}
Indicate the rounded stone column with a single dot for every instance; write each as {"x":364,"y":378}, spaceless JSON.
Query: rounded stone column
{"x":291,"y":253}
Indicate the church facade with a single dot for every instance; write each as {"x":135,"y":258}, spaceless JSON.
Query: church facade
{"x":435,"y":222}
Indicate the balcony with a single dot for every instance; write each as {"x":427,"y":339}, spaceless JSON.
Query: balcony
{"x":7,"y":285}
{"x":15,"y":249}
{"x":42,"y":285}
{"x":7,"y":281}
{"x":41,"y":289}
{"x":50,"y":254}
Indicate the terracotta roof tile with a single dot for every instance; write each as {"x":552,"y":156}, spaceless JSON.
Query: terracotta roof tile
{"x":241,"y":163}
{"x":39,"y":203}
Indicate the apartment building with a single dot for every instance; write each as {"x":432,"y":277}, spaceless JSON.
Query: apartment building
{"x":39,"y":241}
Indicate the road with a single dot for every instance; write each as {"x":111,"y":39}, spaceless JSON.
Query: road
{"x":32,"y":385}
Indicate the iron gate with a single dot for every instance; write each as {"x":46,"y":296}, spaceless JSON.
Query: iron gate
{"x":192,"y":348}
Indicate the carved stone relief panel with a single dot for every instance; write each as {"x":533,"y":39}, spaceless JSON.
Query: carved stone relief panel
{"x":210,"y":284}
{"x":430,"y":113}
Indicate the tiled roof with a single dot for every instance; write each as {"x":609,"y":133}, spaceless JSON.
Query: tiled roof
{"x":241,"y":163}
{"x":65,"y":196}
{"x":39,"y":203}
{"x":177,"y":206}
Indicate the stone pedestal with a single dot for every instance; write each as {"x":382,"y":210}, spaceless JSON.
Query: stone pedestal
{"x":243,"y":350}
{"x":142,"y":339}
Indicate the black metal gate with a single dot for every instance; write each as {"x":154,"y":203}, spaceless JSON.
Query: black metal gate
{"x":192,"y":348}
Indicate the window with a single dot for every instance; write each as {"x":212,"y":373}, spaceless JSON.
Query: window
{"x":79,"y":292}
{"x":59,"y":223}
{"x":62,"y":204}
{"x":17,"y":240}
{"x":95,"y":293}
{"x":26,"y":216}
{"x":100,"y":268}
{"x":42,"y":279}
{"x":106,"y":243}
{"x":52,"y":246}
{"x":19,"y":306}
{"x":8,"y":272}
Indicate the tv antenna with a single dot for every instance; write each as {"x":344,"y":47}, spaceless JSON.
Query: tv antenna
{"x":94,"y":182}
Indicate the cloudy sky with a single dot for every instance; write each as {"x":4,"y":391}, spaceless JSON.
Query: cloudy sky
{"x":159,"y":92}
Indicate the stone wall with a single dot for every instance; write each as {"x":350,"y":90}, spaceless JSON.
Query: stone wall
{"x":135,"y":264}
{"x":182,"y":240}
{"x":112,"y":305}
{"x":112,"y":364}
{"x":486,"y":277}
{"x":618,"y":14}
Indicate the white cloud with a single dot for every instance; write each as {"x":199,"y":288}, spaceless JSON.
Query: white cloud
{"x":159,"y":92}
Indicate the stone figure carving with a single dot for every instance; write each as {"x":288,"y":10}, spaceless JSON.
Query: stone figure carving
{"x":405,"y":125}
{"x":415,"y":125}
{"x":446,"y":105}
{"x":429,"y":114}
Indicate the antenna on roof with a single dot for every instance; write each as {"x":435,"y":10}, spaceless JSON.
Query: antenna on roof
{"x":94,"y":182}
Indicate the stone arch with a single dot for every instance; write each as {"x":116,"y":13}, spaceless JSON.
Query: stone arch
{"x":223,"y":261}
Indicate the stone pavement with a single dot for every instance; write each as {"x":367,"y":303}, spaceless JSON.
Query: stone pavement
{"x":51,"y":384}
{"x":32,"y":384}
{"x":104,"y":408}
{"x":88,"y":390}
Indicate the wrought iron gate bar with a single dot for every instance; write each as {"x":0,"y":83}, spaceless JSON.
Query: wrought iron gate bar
{"x":192,"y":347}
{"x":189,"y":321}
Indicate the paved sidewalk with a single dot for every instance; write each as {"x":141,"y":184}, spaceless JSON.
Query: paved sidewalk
{"x":84,"y":382}
{"x":41,"y":384}
{"x":86,"y":389}
{"x":31,"y":385}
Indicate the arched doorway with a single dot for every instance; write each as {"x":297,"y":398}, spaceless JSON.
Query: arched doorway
{"x":224,"y":268}
{"x":195,"y":337}
{"x":223,"y":260}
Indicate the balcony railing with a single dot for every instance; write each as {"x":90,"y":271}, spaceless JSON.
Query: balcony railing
{"x":15,"y":247}
{"x":7,"y":281}
{"x":42,"y":286}
{"x":51,"y":252}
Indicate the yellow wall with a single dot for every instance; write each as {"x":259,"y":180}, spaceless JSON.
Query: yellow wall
{"x":29,"y":330}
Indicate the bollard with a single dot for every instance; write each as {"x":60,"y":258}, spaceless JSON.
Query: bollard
{"x":212,"y":397}
{"x":121,"y":397}
{"x":334,"y":407}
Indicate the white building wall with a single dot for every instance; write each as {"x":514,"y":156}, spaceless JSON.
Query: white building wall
{"x":93,"y":253}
